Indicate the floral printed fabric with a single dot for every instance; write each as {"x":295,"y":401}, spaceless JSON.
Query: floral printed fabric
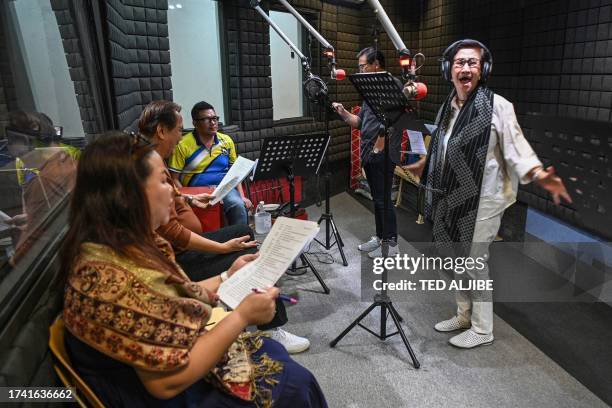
{"x":150,"y":319}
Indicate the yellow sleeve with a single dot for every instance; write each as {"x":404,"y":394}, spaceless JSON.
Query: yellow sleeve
{"x":232,"y":156}
{"x":177,"y":160}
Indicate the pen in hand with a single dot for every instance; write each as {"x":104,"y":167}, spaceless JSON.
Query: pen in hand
{"x":284,"y":298}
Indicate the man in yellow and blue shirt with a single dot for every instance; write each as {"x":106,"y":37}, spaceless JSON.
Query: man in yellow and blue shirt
{"x":204,"y":156}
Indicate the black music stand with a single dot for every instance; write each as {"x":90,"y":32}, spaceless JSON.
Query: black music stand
{"x":330,"y":225}
{"x":380,"y":91}
{"x":290,"y":156}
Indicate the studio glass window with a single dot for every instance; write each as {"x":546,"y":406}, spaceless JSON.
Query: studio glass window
{"x":287,"y":92}
{"x":39,"y":122}
{"x":195,"y":55}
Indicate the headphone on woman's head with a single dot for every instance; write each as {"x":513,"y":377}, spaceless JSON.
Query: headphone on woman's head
{"x":448,"y":54}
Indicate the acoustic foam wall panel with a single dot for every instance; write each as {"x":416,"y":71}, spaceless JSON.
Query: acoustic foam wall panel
{"x":139,"y":56}
{"x":74,"y":56}
{"x":581,"y":151}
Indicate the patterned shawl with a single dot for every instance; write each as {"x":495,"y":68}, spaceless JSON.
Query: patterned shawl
{"x":452,"y":184}
{"x":149,"y":319}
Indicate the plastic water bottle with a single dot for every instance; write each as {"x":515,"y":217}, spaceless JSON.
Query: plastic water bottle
{"x":263,"y":219}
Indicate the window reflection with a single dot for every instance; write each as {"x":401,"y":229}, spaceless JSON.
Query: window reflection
{"x":39,"y":119}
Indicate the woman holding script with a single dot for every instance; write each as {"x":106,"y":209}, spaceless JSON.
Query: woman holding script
{"x":136,"y":325}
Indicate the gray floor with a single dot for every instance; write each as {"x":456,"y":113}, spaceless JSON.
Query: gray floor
{"x":362,"y":371}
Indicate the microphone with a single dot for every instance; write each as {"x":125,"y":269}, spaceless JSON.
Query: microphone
{"x":338,"y":74}
{"x":415,"y":91}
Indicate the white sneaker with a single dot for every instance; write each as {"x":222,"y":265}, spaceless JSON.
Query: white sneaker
{"x":452,"y":324}
{"x":293,"y":344}
{"x":377,"y":253}
{"x":371,"y":245}
{"x":470,"y":339}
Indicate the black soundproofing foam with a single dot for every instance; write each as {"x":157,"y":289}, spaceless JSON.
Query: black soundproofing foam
{"x":140,"y":56}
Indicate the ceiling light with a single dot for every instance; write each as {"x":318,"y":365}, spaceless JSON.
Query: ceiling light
{"x":179,"y":6}
{"x":171,"y":7}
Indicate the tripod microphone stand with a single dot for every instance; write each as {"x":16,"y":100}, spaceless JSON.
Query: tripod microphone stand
{"x":327,"y":216}
{"x":387,"y":101}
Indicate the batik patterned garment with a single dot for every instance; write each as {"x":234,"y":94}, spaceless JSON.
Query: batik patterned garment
{"x":151,"y":319}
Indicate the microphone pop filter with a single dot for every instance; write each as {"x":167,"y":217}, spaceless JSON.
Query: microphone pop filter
{"x":315,"y":88}
{"x":421,"y":91}
{"x":339,"y":74}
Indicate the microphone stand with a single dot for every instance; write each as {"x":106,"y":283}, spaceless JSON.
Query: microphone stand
{"x":406,"y":61}
{"x":330,"y":224}
{"x":283,"y":36}
{"x":329,"y":52}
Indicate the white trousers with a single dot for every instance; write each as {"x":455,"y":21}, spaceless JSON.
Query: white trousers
{"x":477,"y":306}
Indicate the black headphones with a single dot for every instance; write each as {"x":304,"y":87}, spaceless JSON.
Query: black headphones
{"x":446,"y":60}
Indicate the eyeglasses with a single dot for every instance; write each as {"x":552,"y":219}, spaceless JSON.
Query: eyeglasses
{"x":460,"y":62}
{"x":362,"y":66}
{"x":138,"y":141}
{"x":208,"y":119}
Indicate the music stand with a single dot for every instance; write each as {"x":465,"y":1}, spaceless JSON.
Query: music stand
{"x":290,"y":156}
{"x":384,"y":96}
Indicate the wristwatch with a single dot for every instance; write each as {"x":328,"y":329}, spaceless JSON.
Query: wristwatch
{"x":536,"y":174}
{"x":224,"y":276}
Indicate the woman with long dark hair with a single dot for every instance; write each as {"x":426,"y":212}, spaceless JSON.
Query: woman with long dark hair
{"x":136,"y":323}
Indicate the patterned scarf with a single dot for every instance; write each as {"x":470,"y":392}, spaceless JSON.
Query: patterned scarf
{"x":452,"y":186}
{"x":151,"y":319}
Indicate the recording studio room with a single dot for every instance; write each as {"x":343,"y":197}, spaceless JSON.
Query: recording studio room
{"x":305,"y":203}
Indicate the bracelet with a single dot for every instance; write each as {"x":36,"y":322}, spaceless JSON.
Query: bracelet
{"x":534,"y":176}
{"x":188,"y":198}
{"x":224,"y":276}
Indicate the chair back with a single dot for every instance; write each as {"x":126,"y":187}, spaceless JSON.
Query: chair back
{"x":84,"y":396}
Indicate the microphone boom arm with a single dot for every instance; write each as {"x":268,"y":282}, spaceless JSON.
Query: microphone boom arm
{"x":306,"y":24}
{"x":314,"y":86}
{"x":303,"y":59}
{"x":382,"y":16}
{"x":412,"y":89}
{"x":329,"y":52}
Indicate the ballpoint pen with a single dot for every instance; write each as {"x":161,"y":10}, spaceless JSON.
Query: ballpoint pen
{"x":284,"y":298}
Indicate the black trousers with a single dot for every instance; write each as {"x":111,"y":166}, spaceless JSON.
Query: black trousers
{"x":375,"y":174}
{"x":200,"y":265}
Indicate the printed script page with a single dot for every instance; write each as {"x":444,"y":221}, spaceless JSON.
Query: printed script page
{"x":286,"y":240}
{"x":239,"y":171}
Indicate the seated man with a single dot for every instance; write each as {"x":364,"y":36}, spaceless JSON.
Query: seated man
{"x":203,"y":255}
{"x":204,"y":156}
{"x":200,"y":255}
